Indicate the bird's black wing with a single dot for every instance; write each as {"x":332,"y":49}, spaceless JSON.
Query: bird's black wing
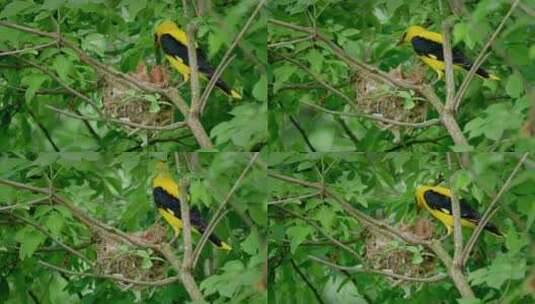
{"x":429,"y":48}
{"x":438,"y":201}
{"x":173,"y":47}
{"x":167,"y":201}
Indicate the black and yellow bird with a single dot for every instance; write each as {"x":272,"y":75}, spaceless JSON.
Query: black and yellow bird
{"x":167,"y":198}
{"x":428,"y":46}
{"x":174,"y":43}
{"x":437,"y":200}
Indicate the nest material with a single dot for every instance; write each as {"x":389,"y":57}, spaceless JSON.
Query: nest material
{"x":376,"y":98}
{"x":381,"y":253}
{"x":121,"y":102}
{"x":116,"y":258}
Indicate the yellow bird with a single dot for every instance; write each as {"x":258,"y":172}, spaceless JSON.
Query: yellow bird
{"x":428,"y":46}
{"x":167,"y":199}
{"x":437,"y":200}
{"x":174,"y":43}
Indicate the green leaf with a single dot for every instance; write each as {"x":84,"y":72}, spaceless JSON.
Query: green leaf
{"x":52,"y":5}
{"x":297,"y":234}
{"x":461,"y":180}
{"x":54,"y":222}
{"x":322,"y":139}
{"x":94,"y":42}
{"x":15,"y":8}
{"x":133,"y":7}
{"x":315,"y":58}
{"x":29,"y":239}
{"x":260,"y":88}
{"x":281,"y":75}
{"x":62,"y":66}
{"x":34,"y":83}
{"x":515,"y":85}
{"x":503,"y":268}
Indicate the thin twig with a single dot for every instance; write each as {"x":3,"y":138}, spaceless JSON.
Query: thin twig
{"x":303,"y":133}
{"x":290,"y":41}
{"x":217,"y":215}
{"x":169,"y":127}
{"x":360,"y":269}
{"x":44,"y":130}
{"x":56,"y":240}
{"x":24,"y":50}
{"x":423,"y":124}
{"x":116,"y":277}
{"x":481,"y":57}
{"x":491,"y":210}
{"x":64,"y":84}
{"x":290,"y":199}
{"x":307,"y":281}
{"x":225,"y":60}
{"x":322,"y":231}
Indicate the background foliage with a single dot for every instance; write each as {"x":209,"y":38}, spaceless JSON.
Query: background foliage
{"x":120,"y":34}
{"x":116,"y":190}
{"x":302,"y":221}
{"x":493,"y":115}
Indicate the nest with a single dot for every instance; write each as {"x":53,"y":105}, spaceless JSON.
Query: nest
{"x":376,"y":98}
{"x":381,"y":253}
{"x":116,"y":258}
{"x":121,"y":102}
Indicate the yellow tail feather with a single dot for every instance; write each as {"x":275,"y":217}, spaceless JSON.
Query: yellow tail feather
{"x":235,"y":94}
{"x":225,"y":246}
{"x":494,"y":77}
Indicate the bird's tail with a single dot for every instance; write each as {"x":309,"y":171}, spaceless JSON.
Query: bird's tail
{"x":219,"y":243}
{"x":493,"y":229}
{"x":225,"y":88}
{"x":482,"y":72}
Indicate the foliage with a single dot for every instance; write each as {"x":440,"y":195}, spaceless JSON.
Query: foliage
{"x":115,"y":189}
{"x":304,"y":222}
{"x":120,"y":34}
{"x":492,"y":113}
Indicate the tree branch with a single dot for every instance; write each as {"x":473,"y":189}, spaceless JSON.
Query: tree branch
{"x":360,"y":269}
{"x":30,"y":48}
{"x":169,"y":127}
{"x":115,"y":277}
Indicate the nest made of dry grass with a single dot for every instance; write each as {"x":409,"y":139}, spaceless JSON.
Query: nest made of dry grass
{"x":116,"y":258}
{"x":384,"y":254}
{"x":121,"y":102}
{"x":376,"y":98}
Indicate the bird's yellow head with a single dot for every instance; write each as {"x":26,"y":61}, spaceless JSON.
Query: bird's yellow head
{"x":410,"y":33}
{"x":420,"y":190}
{"x":169,"y":27}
